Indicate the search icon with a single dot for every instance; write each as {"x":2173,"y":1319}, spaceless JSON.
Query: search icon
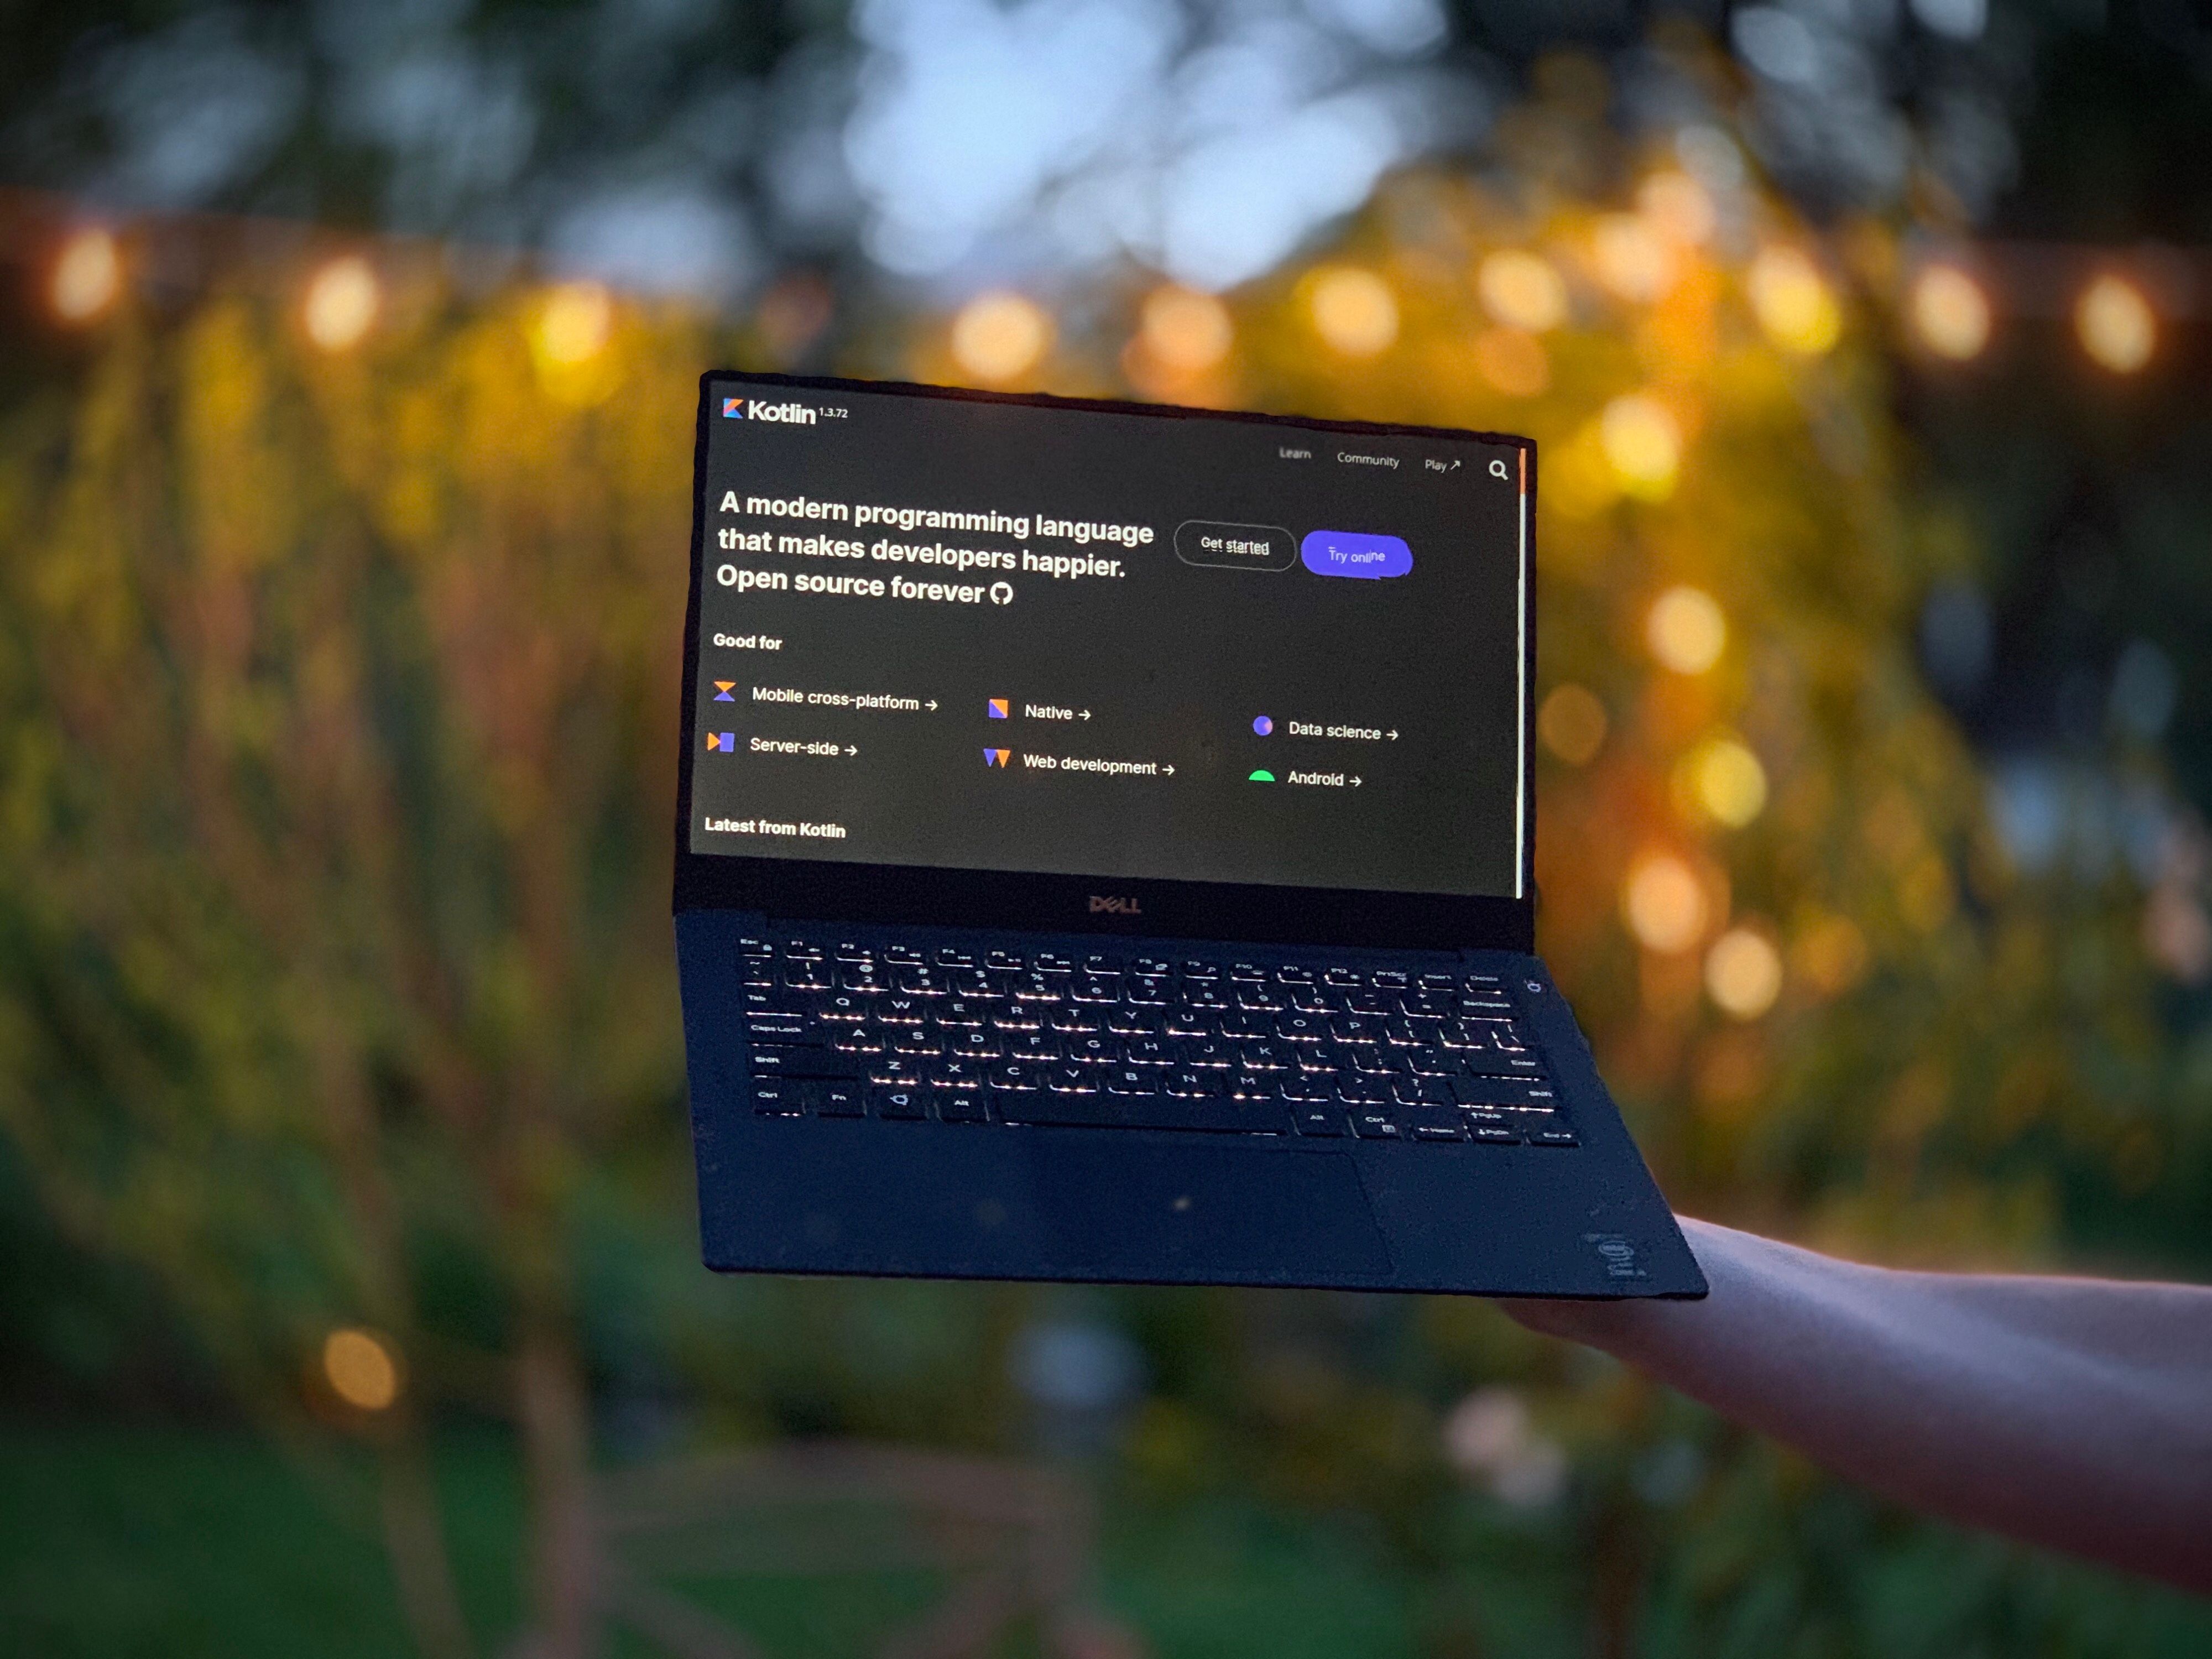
{"x":1498,"y":469}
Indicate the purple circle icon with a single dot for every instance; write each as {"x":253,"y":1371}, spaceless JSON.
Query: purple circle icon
{"x":1262,"y":725}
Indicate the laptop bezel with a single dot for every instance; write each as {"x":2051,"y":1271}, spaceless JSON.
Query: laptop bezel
{"x":929,"y":895}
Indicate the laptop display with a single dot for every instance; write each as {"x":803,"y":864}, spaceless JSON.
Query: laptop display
{"x":942,"y":632}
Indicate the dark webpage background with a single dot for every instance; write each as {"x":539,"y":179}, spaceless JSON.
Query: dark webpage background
{"x":1173,"y":661}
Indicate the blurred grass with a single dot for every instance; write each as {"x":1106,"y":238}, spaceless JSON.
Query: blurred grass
{"x":170,"y":1541}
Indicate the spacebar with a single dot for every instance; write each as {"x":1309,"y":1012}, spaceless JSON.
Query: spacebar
{"x":1159,"y":1112}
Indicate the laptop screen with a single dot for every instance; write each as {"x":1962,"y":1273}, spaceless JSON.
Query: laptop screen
{"x":991,"y":635}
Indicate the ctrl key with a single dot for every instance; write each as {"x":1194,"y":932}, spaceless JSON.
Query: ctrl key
{"x":1374,"y":1123}
{"x":775,"y":1097}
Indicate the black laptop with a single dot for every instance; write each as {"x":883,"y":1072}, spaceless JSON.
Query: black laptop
{"x":1103,"y":853}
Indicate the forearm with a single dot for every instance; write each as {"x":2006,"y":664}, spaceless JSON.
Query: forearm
{"x":2074,"y":1414}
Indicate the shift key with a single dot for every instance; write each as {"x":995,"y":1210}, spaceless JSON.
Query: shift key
{"x":804,"y":1063}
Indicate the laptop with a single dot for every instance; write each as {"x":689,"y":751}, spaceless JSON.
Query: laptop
{"x":1103,"y":853}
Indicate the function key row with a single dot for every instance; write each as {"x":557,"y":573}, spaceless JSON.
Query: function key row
{"x":1055,"y":973}
{"x":804,"y":986}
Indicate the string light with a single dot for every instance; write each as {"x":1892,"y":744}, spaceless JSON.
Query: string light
{"x":1685,"y":630}
{"x":342,"y":303}
{"x":1678,"y":207}
{"x":1186,"y":330}
{"x":574,"y":325}
{"x":1000,"y":336}
{"x":1950,"y":313}
{"x":1522,"y":290}
{"x":2117,"y":326}
{"x":1743,"y":973}
{"x":1643,"y":442}
{"x":794,"y":312}
{"x":1793,"y":302}
{"x":1830,"y":952}
{"x":1663,"y":904}
{"x":1632,"y":259}
{"x":1726,"y":781}
{"x":361,"y":1370}
{"x":1355,"y":312}
{"x":1514,"y":361}
{"x":1572,"y":724}
{"x":87,"y":277}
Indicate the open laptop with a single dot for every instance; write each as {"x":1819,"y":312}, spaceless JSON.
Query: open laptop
{"x":1103,"y":853}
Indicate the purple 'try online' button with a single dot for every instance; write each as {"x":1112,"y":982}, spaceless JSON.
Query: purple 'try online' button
{"x":1348,"y":553}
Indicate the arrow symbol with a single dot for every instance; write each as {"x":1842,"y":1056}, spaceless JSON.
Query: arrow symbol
{"x":1393,"y":734}
{"x":1355,"y":783}
{"x":1170,"y":770}
{"x":932,"y":707}
{"x":850,"y":750}
{"x":1087,"y":714}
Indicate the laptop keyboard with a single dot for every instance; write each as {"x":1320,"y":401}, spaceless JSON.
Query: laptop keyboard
{"x":935,"y":1033}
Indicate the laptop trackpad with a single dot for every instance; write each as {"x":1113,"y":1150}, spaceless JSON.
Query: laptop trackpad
{"x":1195,"y":1210}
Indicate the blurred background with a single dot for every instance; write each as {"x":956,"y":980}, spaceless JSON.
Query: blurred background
{"x":349,"y":1299}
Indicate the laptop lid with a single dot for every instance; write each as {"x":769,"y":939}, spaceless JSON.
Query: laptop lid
{"x":980,"y":659}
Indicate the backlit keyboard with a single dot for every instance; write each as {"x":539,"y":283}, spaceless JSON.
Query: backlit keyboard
{"x":1259,"y":1046}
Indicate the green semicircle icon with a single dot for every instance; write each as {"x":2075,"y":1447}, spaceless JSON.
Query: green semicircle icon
{"x":1261,"y":776}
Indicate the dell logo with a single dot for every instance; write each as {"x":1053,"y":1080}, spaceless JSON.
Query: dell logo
{"x":1103,"y":905}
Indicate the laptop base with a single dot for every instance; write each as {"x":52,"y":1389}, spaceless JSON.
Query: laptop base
{"x":812,"y":1175}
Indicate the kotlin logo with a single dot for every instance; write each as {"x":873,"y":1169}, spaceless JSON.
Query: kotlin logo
{"x":739,"y":409}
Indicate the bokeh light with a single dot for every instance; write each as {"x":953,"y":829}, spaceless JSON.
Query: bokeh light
{"x":1726,"y":781}
{"x":1572,"y":724}
{"x":1491,"y":1437}
{"x":88,"y":277}
{"x":1686,"y":629}
{"x":1523,"y":290}
{"x":1643,"y":442}
{"x":2117,"y":326}
{"x":793,"y":314}
{"x":574,"y":324}
{"x":343,"y":299}
{"x":1513,"y":361}
{"x":1793,"y":302}
{"x":1950,"y":313}
{"x":1186,"y":330}
{"x":1354,"y":310}
{"x":1000,"y":336}
{"x":1743,"y":973}
{"x":1632,"y":258}
{"x":361,"y":1370}
{"x":1663,"y":904}
{"x":1677,"y":207}
{"x":1830,"y":953}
